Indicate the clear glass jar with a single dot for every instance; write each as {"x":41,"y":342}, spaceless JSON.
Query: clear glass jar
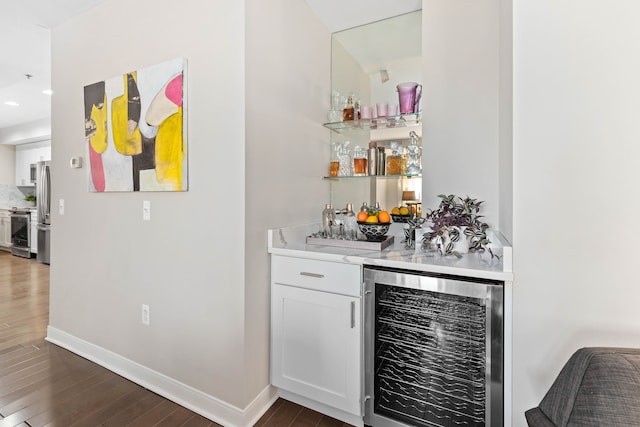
{"x":345,"y":160}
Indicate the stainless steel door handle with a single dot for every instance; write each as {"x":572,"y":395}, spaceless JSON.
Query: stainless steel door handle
{"x":353,"y":314}
{"x":305,"y":273}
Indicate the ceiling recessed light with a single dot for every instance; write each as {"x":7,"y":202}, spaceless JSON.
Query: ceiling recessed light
{"x":12,"y":103}
{"x":47,"y":92}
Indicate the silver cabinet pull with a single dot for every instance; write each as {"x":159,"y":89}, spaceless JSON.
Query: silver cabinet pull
{"x":353,"y":314}
{"x":304,"y":273}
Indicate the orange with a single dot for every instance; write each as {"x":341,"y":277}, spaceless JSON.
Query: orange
{"x":362,"y":216}
{"x":372,"y":218}
{"x":384,"y":216}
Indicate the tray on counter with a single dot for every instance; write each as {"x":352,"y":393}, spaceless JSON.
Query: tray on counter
{"x":354,"y":244}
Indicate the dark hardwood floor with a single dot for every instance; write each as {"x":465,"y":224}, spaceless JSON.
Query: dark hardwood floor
{"x":42,"y":384}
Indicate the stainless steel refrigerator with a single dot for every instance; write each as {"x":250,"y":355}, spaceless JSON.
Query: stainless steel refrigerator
{"x":43,"y":199}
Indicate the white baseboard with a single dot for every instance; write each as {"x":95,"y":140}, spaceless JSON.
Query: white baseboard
{"x":355,"y":420}
{"x":195,"y":400}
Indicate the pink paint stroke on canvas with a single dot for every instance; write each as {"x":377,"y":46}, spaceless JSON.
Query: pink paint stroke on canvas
{"x":174,"y":90}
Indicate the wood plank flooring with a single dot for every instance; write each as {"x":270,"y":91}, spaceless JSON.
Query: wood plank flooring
{"x":42,"y":384}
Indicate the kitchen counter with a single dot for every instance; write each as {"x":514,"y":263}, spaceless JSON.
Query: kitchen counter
{"x":290,"y":241}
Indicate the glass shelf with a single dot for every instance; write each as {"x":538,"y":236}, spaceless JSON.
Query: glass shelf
{"x":402,"y":120}
{"x":372,"y":176}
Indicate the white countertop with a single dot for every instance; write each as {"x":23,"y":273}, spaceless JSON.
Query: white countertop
{"x":290,"y":241}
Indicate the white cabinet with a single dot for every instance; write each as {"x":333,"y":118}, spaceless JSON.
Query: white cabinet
{"x":27,"y":155}
{"x":5,"y":229}
{"x":316,"y":331}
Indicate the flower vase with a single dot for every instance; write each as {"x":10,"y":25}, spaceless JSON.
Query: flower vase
{"x":454,"y":241}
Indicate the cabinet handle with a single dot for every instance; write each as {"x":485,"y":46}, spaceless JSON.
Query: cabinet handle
{"x":304,"y":273}
{"x":353,"y":314}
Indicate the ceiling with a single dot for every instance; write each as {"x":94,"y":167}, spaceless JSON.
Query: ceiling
{"x":25,"y":43}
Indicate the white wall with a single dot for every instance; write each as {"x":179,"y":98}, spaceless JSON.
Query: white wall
{"x":576,"y":175}
{"x":187,"y":263}
{"x":460,"y":47}
{"x":505,"y":128}
{"x":256,"y":152}
{"x":287,"y":98}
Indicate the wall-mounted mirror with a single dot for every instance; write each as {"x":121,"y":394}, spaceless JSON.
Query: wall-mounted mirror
{"x":370,"y":60}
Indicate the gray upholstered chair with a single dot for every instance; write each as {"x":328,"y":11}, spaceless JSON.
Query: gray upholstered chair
{"x":598,"y":386}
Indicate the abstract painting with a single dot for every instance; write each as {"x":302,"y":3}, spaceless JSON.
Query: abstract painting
{"x":135,"y":130}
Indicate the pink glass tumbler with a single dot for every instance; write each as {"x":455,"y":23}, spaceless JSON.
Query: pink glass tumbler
{"x":409,"y":95}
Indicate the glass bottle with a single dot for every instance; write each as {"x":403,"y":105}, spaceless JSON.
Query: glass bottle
{"x":350,"y":223}
{"x":338,"y":231}
{"x":344,"y":158}
{"x":359,"y":161}
{"x":328,"y":219}
{"x":334,"y":161}
{"x":414,"y":157}
{"x":348,"y":111}
{"x":394,"y":160}
{"x":335,"y":115}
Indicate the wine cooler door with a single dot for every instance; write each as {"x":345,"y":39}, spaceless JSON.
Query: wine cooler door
{"x":433,"y":350}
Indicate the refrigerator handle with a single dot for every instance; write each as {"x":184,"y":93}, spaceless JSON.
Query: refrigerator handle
{"x":47,"y":188}
{"x":44,"y":194}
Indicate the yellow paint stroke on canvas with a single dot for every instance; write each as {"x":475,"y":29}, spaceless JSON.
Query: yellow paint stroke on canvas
{"x":126,"y":133}
{"x":98,"y":140}
{"x":169,"y":151}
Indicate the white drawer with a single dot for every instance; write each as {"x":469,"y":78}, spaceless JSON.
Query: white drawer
{"x":325,"y":276}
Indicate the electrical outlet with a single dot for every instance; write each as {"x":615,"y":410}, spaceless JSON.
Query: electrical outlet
{"x":145,"y":314}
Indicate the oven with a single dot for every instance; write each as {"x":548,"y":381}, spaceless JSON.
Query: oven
{"x":21,"y":232}
{"x":433,"y":347}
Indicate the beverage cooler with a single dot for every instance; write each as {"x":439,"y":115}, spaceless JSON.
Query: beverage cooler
{"x":433,"y":350}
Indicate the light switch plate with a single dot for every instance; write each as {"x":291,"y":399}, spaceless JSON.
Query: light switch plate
{"x":61,"y":206}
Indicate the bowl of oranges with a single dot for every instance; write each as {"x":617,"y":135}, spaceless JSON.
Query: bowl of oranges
{"x":374,"y":225}
{"x":400,"y":214}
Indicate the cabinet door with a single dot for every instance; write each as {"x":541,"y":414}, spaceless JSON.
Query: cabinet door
{"x":23,"y":168}
{"x":34,"y":238}
{"x":316,"y":345}
{"x":5,"y":238}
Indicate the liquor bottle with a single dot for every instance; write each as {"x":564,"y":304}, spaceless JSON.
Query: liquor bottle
{"x":394,"y":160}
{"x":414,"y":156}
{"x":359,"y":161}
{"x":348,"y":111}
